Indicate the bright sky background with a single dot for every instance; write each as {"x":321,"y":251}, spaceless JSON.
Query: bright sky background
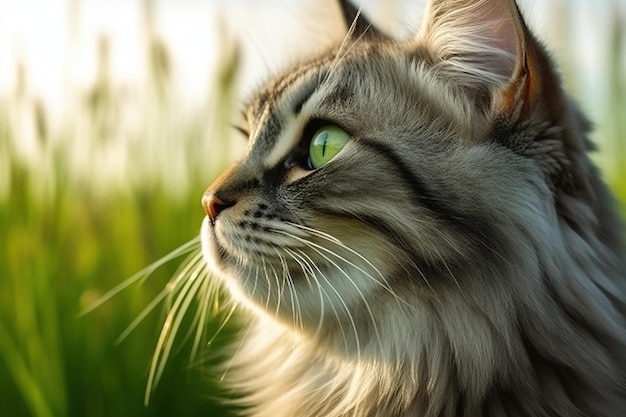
{"x":56,"y":39}
{"x":56,"y":42}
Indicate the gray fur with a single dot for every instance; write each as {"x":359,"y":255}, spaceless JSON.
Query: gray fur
{"x":459,"y":257}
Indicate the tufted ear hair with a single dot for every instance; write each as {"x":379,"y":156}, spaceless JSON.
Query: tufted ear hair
{"x":486,"y":47}
{"x":359,"y":27}
{"x":472,"y":42}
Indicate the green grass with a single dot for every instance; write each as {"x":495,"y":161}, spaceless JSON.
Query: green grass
{"x":67,"y":240}
{"x":59,"y":258}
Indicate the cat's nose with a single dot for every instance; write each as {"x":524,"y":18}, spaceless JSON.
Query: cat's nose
{"x":213,"y":205}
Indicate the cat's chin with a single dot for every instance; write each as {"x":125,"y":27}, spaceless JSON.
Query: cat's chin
{"x":210,"y":249}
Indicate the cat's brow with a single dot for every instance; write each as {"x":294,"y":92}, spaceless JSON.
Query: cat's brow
{"x":268,"y":136}
{"x":308,"y":88}
{"x":278,"y":138}
{"x":282,"y":87}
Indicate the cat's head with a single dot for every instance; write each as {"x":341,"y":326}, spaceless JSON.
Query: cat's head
{"x":400,"y":172}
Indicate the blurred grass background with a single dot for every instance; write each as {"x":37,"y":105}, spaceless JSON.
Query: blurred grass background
{"x":89,"y":201}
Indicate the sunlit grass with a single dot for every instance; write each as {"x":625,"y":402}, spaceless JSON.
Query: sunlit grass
{"x":616,"y":121}
{"x":59,"y":257}
{"x":84,"y":206}
{"x":95,"y":203}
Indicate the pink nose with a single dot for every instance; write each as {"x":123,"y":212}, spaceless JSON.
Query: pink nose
{"x":213,"y":206}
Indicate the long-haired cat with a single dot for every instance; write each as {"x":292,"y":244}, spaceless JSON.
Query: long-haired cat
{"x":416,"y":229}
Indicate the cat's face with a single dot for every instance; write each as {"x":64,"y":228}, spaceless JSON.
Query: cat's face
{"x":423,"y":222}
{"x":298,"y":231}
{"x":373,"y":175}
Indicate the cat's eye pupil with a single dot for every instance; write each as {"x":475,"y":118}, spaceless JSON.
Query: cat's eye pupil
{"x":325,"y":144}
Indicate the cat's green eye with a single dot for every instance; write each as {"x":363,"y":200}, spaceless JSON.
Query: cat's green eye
{"x":326,"y":143}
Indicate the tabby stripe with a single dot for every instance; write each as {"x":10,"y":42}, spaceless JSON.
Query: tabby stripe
{"x":427,"y":267}
{"x":421,"y":191}
{"x":275,"y":141}
{"x":478,"y":230}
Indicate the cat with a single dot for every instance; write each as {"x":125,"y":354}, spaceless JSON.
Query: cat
{"x":416,"y":229}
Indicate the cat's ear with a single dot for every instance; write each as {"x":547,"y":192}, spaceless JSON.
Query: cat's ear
{"x":486,"y":47}
{"x":357,"y":24}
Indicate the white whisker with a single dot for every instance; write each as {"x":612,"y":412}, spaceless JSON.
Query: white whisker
{"x":322,"y":291}
{"x":280,"y":287}
{"x":169,"y":330}
{"x":345,"y":307}
{"x":295,"y":302}
{"x":356,"y":287}
{"x":340,"y":54}
{"x":269,"y":284}
{"x":382,"y":282}
{"x":143,"y":274}
{"x":209,"y":298}
{"x":191,"y":267}
{"x":309,"y":275}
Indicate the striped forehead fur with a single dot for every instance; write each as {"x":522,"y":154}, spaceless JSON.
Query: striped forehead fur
{"x":459,"y":257}
{"x":350,"y":82}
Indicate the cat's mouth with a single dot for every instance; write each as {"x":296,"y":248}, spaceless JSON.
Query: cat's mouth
{"x":260,"y":260}
{"x":252,"y":239}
